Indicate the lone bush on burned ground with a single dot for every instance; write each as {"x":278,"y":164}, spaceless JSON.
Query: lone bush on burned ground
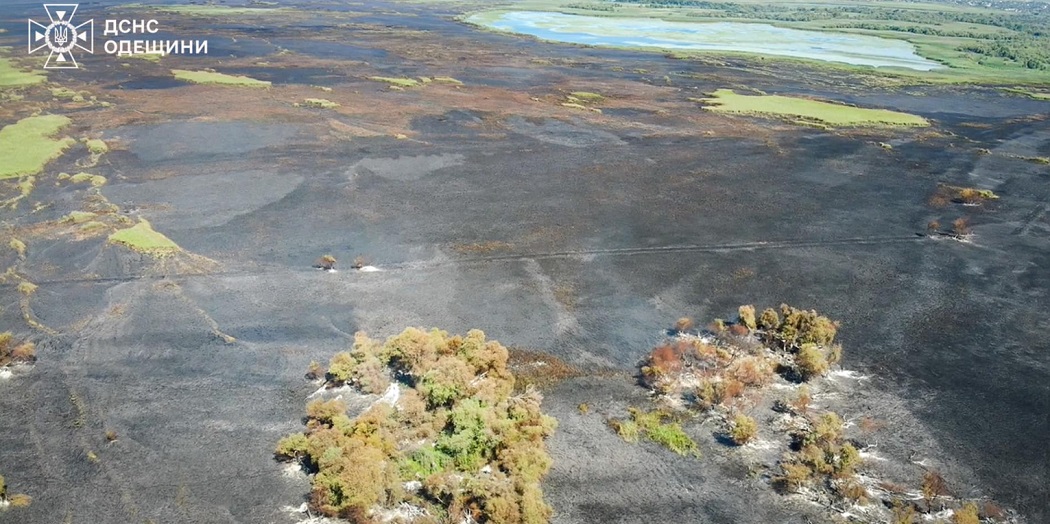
{"x":744,"y":429}
{"x":477,"y":449}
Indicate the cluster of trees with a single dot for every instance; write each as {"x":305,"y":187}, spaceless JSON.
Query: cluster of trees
{"x":457,"y":443}
{"x":13,"y":352}
{"x":822,"y":456}
{"x":1032,"y":53}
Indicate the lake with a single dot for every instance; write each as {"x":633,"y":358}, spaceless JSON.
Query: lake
{"x":755,"y":38}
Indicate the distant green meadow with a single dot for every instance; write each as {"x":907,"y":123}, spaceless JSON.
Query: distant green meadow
{"x":808,"y":112}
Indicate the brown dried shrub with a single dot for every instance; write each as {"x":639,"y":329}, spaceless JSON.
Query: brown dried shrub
{"x":933,"y":226}
{"x":326,"y":262}
{"x":738,"y":330}
{"x":993,"y":511}
{"x":870,"y":425}
{"x":315,"y":371}
{"x":752,"y":371}
{"x":24,"y":352}
{"x":683,"y":324}
{"x":961,"y":226}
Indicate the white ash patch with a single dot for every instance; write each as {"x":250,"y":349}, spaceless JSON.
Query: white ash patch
{"x":5,"y":374}
{"x":345,"y":388}
{"x":302,"y":508}
{"x":848,"y":373}
{"x":412,"y":486}
{"x":761,"y":444}
{"x":404,"y":512}
{"x":391,"y":395}
{"x":293,"y":470}
{"x":368,"y":269}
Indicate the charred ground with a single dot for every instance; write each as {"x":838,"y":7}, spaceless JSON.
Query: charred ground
{"x":492,"y":205}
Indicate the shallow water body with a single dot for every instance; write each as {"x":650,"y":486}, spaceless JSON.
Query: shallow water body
{"x":709,"y":36}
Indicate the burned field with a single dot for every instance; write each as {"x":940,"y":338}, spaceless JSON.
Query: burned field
{"x":566,"y":200}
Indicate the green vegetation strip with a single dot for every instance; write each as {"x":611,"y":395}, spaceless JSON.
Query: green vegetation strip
{"x":28,"y":145}
{"x":320,"y":103}
{"x":399,"y":82}
{"x":211,"y":77}
{"x":11,"y":76}
{"x":142,"y":238}
{"x":806,"y":111}
{"x":449,"y":437}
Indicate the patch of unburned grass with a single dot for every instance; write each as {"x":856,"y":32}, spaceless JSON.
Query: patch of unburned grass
{"x":28,"y":145}
{"x":211,"y":77}
{"x":1038,"y":95}
{"x":11,"y":76}
{"x":79,"y":217}
{"x":802,"y":110}
{"x":319,"y":103}
{"x":657,"y":427}
{"x":447,"y":80}
{"x":88,"y":178}
{"x":96,"y":146}
{"x":63,"y":93}
{"x":399,"y":82}
{"x":142,"y":238}
{"x":587,"y":96}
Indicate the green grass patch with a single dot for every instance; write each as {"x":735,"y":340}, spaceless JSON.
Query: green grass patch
{"x":1038,"y":95}
{"x":63,"y":93}
{"x":447,"y":80}
{"x":399,"y":82}
{"x":92,"y":226}
{"x":587,"y":96}
{"x":88,"y":178}
{"x":29,"y":144}
{"x":802,"y":110}
{"x":319,"y":103}
{"x":12,"y":76}
{"x":96,"y":146}
{"x":657,"y":426}
{"x":142,"y":238}
{"x":211,"y":77}
{"x":79,"y":217}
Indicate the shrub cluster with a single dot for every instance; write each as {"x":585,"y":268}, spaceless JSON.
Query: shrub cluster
{"x":716,"y":368}
{"x":12,"y":352}
{"x":457,"y":444}
{"x":822,"y":455}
